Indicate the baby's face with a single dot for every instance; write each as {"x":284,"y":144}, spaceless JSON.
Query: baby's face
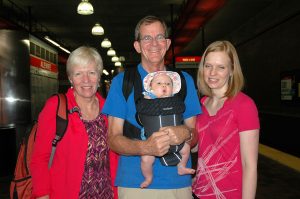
{"x":162,"y":86}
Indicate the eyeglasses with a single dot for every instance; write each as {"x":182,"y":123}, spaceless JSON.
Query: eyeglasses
{"x":149,"y":39}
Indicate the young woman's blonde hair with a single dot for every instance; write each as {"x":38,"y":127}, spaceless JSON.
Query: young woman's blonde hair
{"x":236,"y":80}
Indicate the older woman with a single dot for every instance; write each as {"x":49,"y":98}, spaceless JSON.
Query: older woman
{"x":80,"y":166}
{"x":228,"y":129}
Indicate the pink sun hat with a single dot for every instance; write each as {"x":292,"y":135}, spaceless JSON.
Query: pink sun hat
{"x":175,"y":77}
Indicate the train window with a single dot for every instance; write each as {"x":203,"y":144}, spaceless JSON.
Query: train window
{"x":43,"y":53}
{"x":47,"y":55}
{"x":32,"y":48}
{"x":55,"y":58}
{"x":51,"y":57}
{"x":38,"y":51}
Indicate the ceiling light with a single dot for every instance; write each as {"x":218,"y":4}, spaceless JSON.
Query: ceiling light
{"x":85,"y":8}
{"x":111,"y":52}
{"x":51,"y":41}
{"x":97,"y":29}
{"x":67,"y":51}
{"x":105,"y":43}
{"x":56,"y":44}
{"x":115,"y":59}
{"x":118,"y":63}
{"x":122,"y":58}
{"x":105,"y":72}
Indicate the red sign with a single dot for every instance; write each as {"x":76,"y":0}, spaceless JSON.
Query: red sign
{"x":43,"y":64}
{"x":188,"y":59}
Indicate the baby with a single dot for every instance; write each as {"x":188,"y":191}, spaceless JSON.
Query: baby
{"x":162,"y":84}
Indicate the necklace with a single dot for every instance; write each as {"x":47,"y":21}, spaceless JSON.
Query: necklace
{"x":89,"y":113}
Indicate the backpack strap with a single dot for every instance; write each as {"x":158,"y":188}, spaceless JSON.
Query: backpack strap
{"x":128,"y":80}
{"x":61,"y":123}
{"x":132,"y":79}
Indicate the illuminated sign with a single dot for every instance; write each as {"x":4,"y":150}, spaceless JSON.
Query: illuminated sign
{"x":188,"y":59}
{"x":43,"y":64}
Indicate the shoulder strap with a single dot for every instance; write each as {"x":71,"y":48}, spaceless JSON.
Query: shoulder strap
{"x":182,"y":92}
{"x":132,"y":79}
{"x":128,"y":80}
{"x":61,"y":123}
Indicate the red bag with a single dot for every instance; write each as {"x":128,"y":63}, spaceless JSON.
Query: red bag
{"x":21,"y":185}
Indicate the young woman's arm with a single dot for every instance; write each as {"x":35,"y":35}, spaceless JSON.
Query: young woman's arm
{"x":249,"y":141}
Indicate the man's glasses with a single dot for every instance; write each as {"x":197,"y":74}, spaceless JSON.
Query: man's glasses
{"x":149,"y":39}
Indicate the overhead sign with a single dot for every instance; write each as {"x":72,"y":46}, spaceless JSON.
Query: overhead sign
{"x":43,"y":67}
{"x":43,"y":64}
{"x":187,"y":61}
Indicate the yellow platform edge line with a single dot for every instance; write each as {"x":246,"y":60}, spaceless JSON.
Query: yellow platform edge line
{"x":281,"y":157}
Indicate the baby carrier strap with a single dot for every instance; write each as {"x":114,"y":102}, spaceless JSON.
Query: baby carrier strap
{"x":132,"y":79}
{"x":182,"y":92}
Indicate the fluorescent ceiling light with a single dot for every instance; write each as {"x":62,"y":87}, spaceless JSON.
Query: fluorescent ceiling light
{"x":56,"y":44}
{"x":67,"y":51}
{"x":51,"y":41}
{"x":105,"y":72}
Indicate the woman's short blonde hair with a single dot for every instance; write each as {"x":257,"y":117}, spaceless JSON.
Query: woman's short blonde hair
{"x":83,"y":56}
{"x":236,"y":80}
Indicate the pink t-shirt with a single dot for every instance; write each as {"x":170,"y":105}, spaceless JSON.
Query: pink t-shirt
{"x":219,"y":168}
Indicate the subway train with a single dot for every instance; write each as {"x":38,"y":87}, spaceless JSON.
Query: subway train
{"x":28,"y":76}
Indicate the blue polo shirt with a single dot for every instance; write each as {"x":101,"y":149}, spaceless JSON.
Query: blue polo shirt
{"x":129,"y":172}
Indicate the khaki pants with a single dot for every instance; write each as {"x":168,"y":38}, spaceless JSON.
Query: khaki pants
{"x":138,"y":193}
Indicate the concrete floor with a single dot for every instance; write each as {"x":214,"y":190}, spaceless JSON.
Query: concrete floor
{"x":275,"y":181}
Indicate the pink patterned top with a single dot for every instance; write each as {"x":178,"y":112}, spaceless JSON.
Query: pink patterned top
{"x":96,"y":181}
{"x":219,"y":167}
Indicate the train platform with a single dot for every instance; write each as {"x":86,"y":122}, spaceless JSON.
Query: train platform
{"x":278,"y":176}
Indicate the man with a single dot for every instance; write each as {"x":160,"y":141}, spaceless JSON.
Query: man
{"x":152,"y":43}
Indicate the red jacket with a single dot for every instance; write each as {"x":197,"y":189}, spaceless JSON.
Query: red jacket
{"x":63,"y":180}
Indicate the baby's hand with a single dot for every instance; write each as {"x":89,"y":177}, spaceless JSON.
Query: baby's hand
{"x":177,"y":134}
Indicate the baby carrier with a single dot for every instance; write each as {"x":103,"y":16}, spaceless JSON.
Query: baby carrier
{"x":154,"y":113}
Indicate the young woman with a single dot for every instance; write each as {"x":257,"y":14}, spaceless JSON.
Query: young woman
{"x":228,"y":129}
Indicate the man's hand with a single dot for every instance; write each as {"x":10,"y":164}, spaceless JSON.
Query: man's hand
{"x":177,"y":134}
{"x":158,"y":143}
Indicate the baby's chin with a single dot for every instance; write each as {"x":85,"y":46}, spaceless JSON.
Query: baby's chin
{"x":163,"y":96}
